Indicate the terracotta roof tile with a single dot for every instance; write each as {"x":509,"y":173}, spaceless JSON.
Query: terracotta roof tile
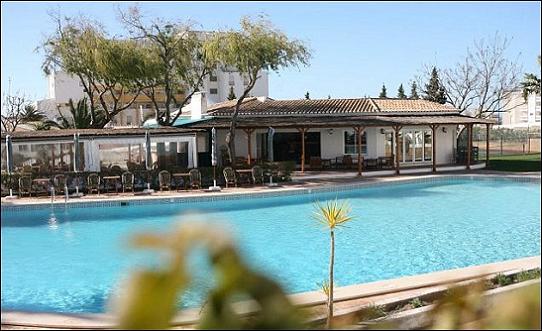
{"x":268,"y":107}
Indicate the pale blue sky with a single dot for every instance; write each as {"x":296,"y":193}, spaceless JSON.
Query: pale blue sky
{"x":356,"y":46}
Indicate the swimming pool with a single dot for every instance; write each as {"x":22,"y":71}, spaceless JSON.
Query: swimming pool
{"x":69,"y":260}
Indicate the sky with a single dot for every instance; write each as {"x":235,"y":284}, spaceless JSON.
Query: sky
{"x":356,"y":46}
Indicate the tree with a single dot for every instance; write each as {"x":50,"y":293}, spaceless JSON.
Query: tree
{"x":257,"y":46}
{"x":231,"y":96}
{"x":482,"y":81}
{"x":307,"y":96}
{"x":383,"y":92}
{"x":531,"y":84}
{"x":80,"y":116}
{"x":177,"y":62}
{"x":401,"y":92}
{"x":333,"y":216}
{"x":108,"y":69}
{"x":414,"y":91}
{"x":18,"y":109}
{"x":434,"y":91}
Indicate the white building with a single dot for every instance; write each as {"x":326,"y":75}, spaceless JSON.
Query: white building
{"x":62,"y":87}
{"x":523,"y":113}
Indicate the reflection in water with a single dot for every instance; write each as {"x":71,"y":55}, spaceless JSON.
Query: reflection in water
{"x":53,"y":222}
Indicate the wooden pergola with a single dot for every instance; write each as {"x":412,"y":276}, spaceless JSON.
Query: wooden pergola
{"x":304,"y":124}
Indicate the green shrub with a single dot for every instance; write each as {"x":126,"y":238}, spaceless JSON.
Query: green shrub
{"x":528,"y":275}
{"x":416,"y":303}
{"x":502,"y":280}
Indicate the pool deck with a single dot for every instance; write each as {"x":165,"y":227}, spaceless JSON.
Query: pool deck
{"x":347,"y":298}
{"x":299,"y":182}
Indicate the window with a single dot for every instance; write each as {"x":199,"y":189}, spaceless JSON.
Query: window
{"x":415,"y":145}
{"x":350,"y":142}
{"x":128,"y":120}
{"x":389,"y":144}
{"x":213,"y":77}
{"x":213,"y":91}
{"x":231,"y":80}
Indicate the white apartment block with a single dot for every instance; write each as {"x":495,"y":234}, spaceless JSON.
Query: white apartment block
{"x":217,"y":86}
{"x":522,"y":114}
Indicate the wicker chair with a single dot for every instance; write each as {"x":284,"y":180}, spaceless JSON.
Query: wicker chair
{"x":230,"y":176}
{"x":257,"y":175}
{"x":59,"y":184}
{"x":164,"y":179}
{"x":93,"y":183}
{"x":25,"y":185}
{"x":127,"y":179}
{"x":195,"y":178}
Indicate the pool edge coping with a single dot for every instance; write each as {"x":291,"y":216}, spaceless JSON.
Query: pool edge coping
{"x":274,"y":192}
{"x":302,"y":300}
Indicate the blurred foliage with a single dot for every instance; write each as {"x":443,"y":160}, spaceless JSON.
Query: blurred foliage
{"x":149,"y":298}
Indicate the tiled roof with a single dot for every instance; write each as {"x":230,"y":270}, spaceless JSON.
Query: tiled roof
{"x":269,"y":107}
{"x":407,"y":105}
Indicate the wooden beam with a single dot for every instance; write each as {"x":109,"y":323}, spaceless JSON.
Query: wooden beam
{"x":249,"y":144}
{"x":359,"y":133}
{"x":397,"y":128}
{"x":487,"y":144}
{"x":469,"y":145}
{"x":302,"y":131}
{"x":434,"y":128}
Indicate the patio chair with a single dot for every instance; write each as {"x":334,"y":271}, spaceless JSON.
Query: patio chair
{"x":230,"y":177}
{"x":59,"y":184}
{"x":164,"y":179}
{"x":257,"y":175}
{"x":25,"y":185}
{"x":195,"y":178}
{"x":315,"y":162}
{"x":93,"y":183}
{"x":127,"y":179}
{"x":347,"y":162}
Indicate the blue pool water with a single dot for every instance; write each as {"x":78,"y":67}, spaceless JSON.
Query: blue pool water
{"x":69,"y":260}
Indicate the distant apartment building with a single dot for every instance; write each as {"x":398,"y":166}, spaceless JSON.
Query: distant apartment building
{"x":61,"y":87}
{"x":522,"y":113}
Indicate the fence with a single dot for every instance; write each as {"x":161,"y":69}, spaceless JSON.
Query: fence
{"x":521,"y":142}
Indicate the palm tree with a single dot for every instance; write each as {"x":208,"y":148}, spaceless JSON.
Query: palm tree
{"x":531,"y":83}
{"x":332,"y":215}
{"x":80,"y":116}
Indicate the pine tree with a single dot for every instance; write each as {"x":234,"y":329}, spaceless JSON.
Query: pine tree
{"x":231,"y":96}
{"x":401,"y":92}
{"x":414,"y":91}
{"x":434,"y":91}
{"x":329,"y":96}
{"x":383,"y":93}
{"x":307,"y":96}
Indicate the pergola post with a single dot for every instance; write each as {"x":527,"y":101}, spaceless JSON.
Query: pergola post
{"x":249,"y":144}
{"x":469,"y":145}
{"x":359,"y":132}
{"x":396,"y":130}
{"x":302,"y":131}
{"x":434,"y":146}
{"x":487,"y":144}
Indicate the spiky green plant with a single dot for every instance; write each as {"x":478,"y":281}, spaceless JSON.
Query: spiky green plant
{"x":332,"y":215}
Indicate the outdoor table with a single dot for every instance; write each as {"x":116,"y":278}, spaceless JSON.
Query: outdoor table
{"x":181,"y":175}
{"x":114,"y":179}
{"x":245,"y":173}
{"x":43,"y":182}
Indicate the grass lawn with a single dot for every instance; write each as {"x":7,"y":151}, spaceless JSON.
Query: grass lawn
{"x":515,"y":163}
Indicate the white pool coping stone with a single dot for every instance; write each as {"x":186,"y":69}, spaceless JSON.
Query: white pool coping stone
{"x":188,"y":317}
